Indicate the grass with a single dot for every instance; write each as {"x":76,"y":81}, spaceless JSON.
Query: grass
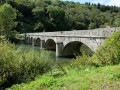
{"x":102,"y":78}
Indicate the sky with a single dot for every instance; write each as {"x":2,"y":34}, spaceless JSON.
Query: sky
{"x":105,"y":2}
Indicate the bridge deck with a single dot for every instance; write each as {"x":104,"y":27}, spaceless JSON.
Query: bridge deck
{"x":101,"y":32}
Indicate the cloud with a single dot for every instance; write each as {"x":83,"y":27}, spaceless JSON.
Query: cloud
{"x":113,"y":2}
{"x":108,"y":2}
{"x":105,"y":2}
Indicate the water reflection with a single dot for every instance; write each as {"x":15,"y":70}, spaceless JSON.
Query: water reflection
{"x":37,"y":48}
{"x":28,"y":47}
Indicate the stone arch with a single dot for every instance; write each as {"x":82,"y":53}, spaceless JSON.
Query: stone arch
{"x":73,"y":48}
{"x":86,"y":41}
{"x":50,"y":44}
{"x":37,"y":41}
{"x":32,"y":40}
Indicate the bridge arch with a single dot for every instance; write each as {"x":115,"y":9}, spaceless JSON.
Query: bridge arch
{"x":31,"y":40}
{"x":37,"y":41}
{"x":74,"y":48}
{"x":86,"y":41}
{"x":50,"y":44}
{"x":27,"y":40}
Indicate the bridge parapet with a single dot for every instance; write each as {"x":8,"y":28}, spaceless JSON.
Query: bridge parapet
{"x":101,"y":32}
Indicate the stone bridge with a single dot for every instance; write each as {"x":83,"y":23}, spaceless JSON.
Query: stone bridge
{"x":67,"y":43}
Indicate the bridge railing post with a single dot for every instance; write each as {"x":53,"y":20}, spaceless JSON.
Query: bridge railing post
{"x":59,"y":49}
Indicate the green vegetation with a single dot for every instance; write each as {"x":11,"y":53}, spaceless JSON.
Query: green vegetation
{"x":18,"y":65}
{"x":7,"y":19}
{"x":103,"y":78}
{"x":58,"y":15}
{"x":109,"y":53}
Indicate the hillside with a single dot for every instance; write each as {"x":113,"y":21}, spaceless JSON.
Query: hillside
{"x":57,"y":15}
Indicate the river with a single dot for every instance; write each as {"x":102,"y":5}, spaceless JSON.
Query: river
{"x":37,"y":48}
{"x":83,"y":48}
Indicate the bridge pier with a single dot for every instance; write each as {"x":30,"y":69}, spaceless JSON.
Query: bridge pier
{"x":42,"y":44}
{"x":33,"y":43}
{"x":28,"y":42}
{"x":59,"y":49}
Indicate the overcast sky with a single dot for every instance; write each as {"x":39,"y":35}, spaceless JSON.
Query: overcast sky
{"x":105,"y":2}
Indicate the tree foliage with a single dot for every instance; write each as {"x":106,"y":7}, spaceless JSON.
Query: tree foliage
{"x":18,"y":65}
{"x":58,"y":15}
{"x":117,"y":22}
{"x":7,"y":18}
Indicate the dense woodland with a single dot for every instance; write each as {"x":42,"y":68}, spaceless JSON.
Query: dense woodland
{"x":57,"y":15}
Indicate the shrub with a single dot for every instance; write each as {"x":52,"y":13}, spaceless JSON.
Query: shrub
{"x":18,"y":66}
{"x":80,"y":61}
{"x":8,"y":61}
{"x":109,"y":52}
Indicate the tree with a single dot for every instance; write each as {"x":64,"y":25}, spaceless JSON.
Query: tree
{"x":117,"y":22}
{"x":39,"y":13}
{"x":56,"y":16}
{"x":92,"y":26}
{"x":2,"y":1}
{"x":80,"y":25}
{"x":39,"y":27}
{"x":7,"y":19}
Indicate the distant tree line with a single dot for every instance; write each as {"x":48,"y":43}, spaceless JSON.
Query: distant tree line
{"x":57,"y":15}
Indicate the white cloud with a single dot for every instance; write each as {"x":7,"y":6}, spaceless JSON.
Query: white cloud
{"x":113,"y":2}
{"x":105,"y":2}
{"x":108,"y":2}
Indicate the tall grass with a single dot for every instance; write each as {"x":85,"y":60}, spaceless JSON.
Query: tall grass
{"x":17,"y":65}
